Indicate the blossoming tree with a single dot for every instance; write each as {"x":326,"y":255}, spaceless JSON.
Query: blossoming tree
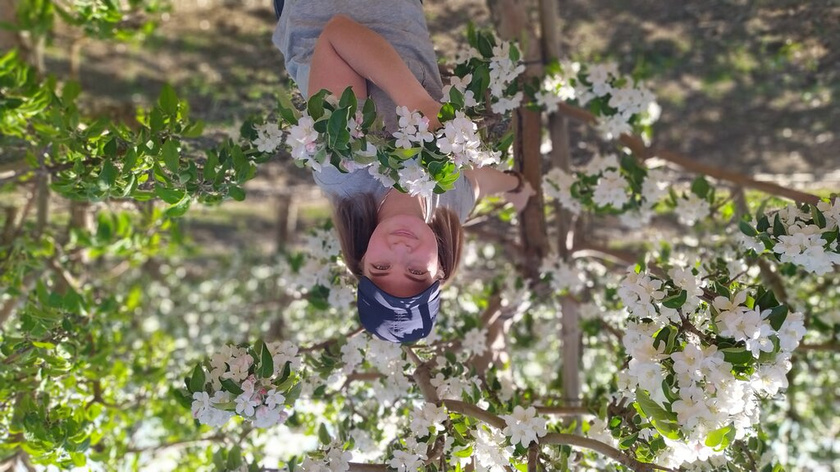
{"x":702,"y":349}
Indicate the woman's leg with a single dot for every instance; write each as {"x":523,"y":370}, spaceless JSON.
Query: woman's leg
{"x":347,"y":53}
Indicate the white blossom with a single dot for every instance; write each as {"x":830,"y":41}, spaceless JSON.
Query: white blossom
{"x":475,"y":341}
{"x":691,"y":209}
{"x":415,"y":179}
{"x":639,"y":292}
{"x":611,"y":190}
{"x":523,"y":425}
{"x":428,"y":416}
{"x":557,"y":184}
{"x":405,"y":461}
{"x":269,"y":137}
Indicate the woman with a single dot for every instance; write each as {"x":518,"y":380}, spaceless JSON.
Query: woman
{"x":400,"y":247}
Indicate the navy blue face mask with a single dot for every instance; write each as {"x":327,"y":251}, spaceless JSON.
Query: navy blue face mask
{"x":397,"y":319}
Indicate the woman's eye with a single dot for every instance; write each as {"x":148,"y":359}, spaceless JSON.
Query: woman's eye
{"x":416,"y":271}
{"x":380,"y":266}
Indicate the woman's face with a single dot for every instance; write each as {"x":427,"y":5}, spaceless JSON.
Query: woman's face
{"x":402,"y":256}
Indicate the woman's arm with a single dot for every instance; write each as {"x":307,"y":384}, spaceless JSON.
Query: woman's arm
{"x":489,"y":181}
{"x":347,"y":53}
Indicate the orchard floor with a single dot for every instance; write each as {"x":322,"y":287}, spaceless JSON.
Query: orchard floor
{"x":753,"y":88}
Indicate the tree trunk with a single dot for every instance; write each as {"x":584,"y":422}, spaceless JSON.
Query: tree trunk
{"x":287,"y":215}
{"x":8,"y":39}
{"x":561,"y":157}
{"x":512,"y":22}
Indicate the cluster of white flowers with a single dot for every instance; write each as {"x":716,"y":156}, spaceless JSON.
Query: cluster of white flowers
{"x":303,"y":140}
{"x":414,"y":129}
{"x":523,"y":426}
{"x":453,"y":387}
{"x":558,"y":87}
{"x":428,"y":417}
{"x":563,"y":276}
{"x":269,"y":137}
{"x":626,"y":98}
{"x":460,"y":84}
{"x":611,"y":190}
{"x":321,"y":266}
{"x":385,"y":357}
{"x":491,"y":453}
{"x":709,"y":394}
{"x":415,"y":179}
{"x":691,"y":209}
{"x":627,"y":101}
{"x":804,"y":244}
{"x":459,"y":137}
{"x":639,"y":292}
{"x":335,"y":459}
{"x":475,"y":342}
{"x":503,"y":71}
{"x":258,"y":401}
{"x":557,"y":185}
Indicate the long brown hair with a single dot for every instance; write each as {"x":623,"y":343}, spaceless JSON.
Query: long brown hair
{"x":356,"y":218}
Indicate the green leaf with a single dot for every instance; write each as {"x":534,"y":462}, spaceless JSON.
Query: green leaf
{"x":348,"y":100}
{"x":286,"y":107}
{"x":108,"y":174}
{"x":737,"y":356}
{"x":315,"y":105}
{"x":194,"y":129}
{"x":234,"y":458}
{"x":762,"y":223}
{"x":627,"y":442}
{"x":700,"y":187}
{"x":463,"y":453}
{"x":676,"y":301}
{"x":446,"y":113}
{"x":338,"y":136}
{"x":777,"y":316}
{"x":368,"y":114}
{"x":652,"y":409}
{"x":169,"y":195}
{"x":324,"y":435}
{"x":266,"y":363}
{"x":210,"y":164}
{"x":747,"y":228}
{"x":180,"y":208}
{"x":718,"y":439}
{"x":197,"y":380}
{"x":171,"y":156}
{"x":778,"y":226}
{"x":236,"y":192}
{"x":71,"y":90}
{"x":231,"y":386}
{"x":168,"y":100}
{"x":818,"y":216}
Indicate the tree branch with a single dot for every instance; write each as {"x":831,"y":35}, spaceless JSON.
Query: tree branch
{"x":644,"y":152}
{"x":601,"y":448}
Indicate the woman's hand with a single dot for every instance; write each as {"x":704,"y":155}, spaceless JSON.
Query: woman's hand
{"x":520,"y":199}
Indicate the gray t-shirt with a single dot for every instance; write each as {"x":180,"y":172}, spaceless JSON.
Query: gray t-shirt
{"x":402,"y":23}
